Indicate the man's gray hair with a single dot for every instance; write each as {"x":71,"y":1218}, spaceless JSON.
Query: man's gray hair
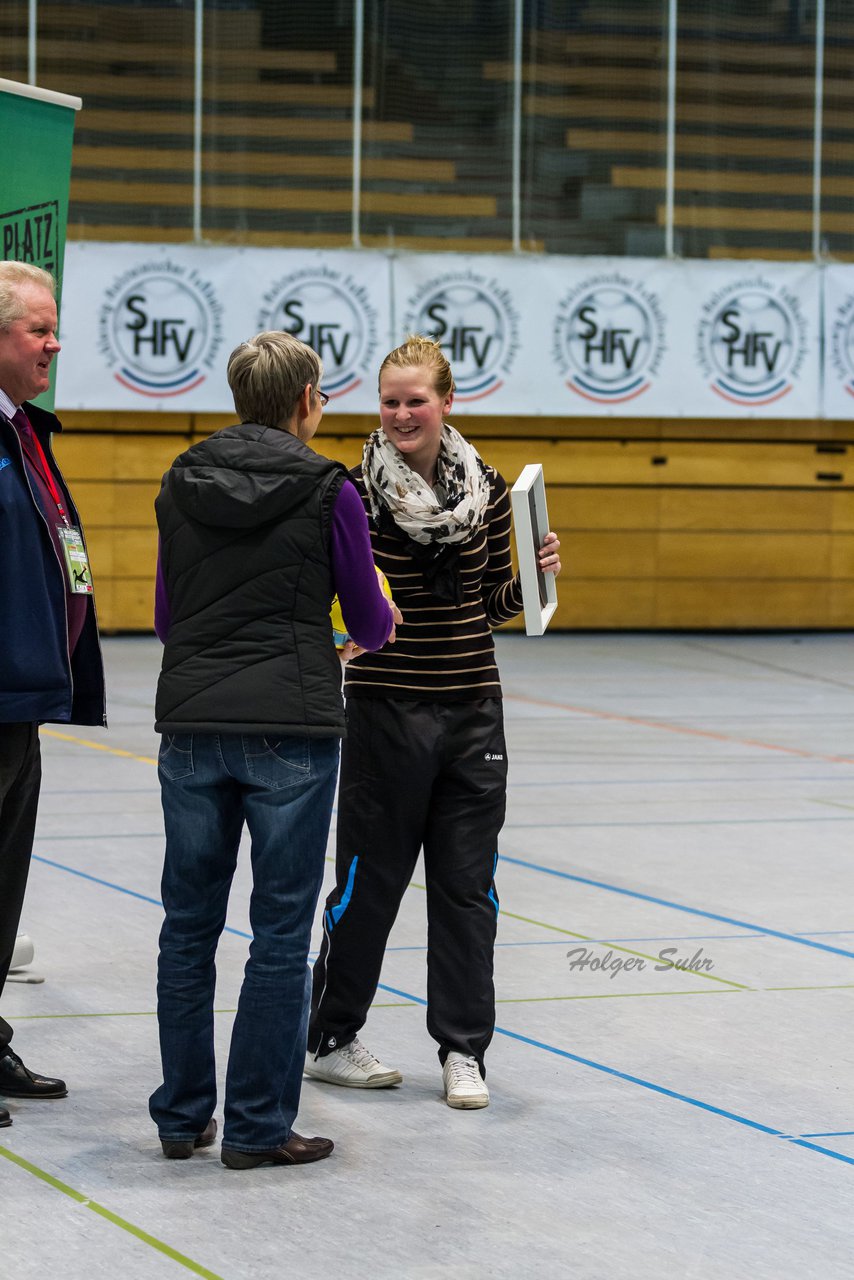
{"x":268,"y":374}
{"x":12,"y":276}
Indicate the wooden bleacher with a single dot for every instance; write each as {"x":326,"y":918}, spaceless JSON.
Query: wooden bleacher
{"x":744,"y":130}
{"x":277,"y":137}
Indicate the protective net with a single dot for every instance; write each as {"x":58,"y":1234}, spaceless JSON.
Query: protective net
{"x":445,"y":158}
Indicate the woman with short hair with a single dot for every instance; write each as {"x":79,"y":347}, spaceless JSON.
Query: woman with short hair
{"x":257,"y":533}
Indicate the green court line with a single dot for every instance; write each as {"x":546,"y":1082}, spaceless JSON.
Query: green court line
{"x":114,"y":1218}
{"x":825,"y":986}
{"x":832,"y":804}
{"x":152,"y":1013}
{"x":623,"y":995}
{"x":613,"y":946}
{"x":733,"y":988}
{"x":130,"y":1013}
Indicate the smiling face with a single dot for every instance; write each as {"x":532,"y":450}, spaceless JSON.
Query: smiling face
{"x":411,"y":415}
{"x":28,"y":345}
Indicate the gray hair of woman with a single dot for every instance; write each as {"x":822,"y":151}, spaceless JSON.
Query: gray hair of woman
{"x":268,"y":374}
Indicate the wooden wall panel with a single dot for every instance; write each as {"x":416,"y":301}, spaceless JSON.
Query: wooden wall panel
{"x":133,"y":604}
{"x":737,"y":554}
{"x":615,"y":603}
{"x":709,"y":532}
{"x":842,"y":557}
{"x":701,"y":605}
{"x":603,"y":508}
{"x":603,"y":555}
{"x":746,"y":509}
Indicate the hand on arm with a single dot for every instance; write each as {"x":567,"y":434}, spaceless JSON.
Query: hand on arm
{"x":367,"y":614}
{"x":353,"y":650}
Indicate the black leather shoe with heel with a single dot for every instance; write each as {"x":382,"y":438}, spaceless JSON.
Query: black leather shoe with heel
{"x":16,"y":1081}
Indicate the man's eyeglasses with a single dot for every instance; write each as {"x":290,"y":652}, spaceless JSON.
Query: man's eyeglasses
{"x":322,"y":397}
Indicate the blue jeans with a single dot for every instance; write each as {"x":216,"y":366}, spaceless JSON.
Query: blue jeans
{"x":283,"y":788}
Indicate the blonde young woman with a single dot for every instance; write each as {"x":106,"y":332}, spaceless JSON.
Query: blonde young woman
{"x":424,"y":763}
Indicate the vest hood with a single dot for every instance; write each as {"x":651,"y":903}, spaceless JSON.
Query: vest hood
{"x":234,"y":480}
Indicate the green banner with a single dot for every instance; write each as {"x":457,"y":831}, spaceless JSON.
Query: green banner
{"x":37,"y":127}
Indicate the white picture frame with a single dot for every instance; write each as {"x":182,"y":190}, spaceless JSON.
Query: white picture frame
{"x":531,"y":524}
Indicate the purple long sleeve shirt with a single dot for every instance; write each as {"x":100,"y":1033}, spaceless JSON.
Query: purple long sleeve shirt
{"x":366,"y":611}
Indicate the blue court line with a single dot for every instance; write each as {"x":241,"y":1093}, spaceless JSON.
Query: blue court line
{"x":825,"y":1151}
{"x":664,"y":937}
{"x":757,"y":930}
{"x":114,"y":791}
{"x":130,"y":893}
{"x":519,"y":826}
{"x":676,"y":822}
{"x":651,"y":782}
{"x":608,"y":942}
{"x":678,"y":906}
{"x":839,"y":1133}
{"x":107,"y":835}
{"x":647,"y":1084}
{"x":513,"y":1035}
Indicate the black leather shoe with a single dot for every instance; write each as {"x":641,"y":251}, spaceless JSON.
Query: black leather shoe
{"x":17,"y":1082}
{"x":296,"y":1150}
{"x":182,"y":1150}
{"x":5,"y":1118}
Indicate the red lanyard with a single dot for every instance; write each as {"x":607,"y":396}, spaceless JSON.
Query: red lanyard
{"x":41,"y":466}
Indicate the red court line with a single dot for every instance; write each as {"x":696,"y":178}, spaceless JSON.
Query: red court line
{"x":677,"y":728}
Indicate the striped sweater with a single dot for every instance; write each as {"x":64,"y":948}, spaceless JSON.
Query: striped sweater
{"x":443,"y":652}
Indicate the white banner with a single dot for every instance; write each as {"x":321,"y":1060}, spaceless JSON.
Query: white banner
{"x":755,"y":330}
{"x":152,"y":326}
{"x":839,"y":342}
{"x":609,"y":345}
{"x":472,"y":305}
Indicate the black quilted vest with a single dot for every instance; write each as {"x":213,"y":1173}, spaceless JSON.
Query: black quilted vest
{"x":245,"y":520}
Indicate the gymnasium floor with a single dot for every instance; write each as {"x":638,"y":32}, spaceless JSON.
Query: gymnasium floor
{"x":691,"y":793}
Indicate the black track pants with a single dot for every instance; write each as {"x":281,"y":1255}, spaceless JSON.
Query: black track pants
{"x":415,"y":774}
{"x":20,"y":780}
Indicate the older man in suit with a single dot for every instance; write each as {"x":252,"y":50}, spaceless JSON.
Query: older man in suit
{"x":50,"y":658}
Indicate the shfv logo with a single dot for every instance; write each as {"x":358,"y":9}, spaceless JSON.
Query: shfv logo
{"x":160,"y":328}
{"x":333,"y":314}
{"x":608,"y":339}
{"x":751,"y":342}
{"x":842,"y":343}
{"x":476,"y":324}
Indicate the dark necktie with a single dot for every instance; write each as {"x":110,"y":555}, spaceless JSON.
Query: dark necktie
{"x":22,"y":422}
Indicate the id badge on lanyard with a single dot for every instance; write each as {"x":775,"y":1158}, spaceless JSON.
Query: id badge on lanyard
{"x":77,"y":569}
{"x":78,"y":575}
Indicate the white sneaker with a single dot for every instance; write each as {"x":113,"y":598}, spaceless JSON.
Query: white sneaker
{"x":352,"y":1066}
{"x":465,"y":1087}
{"x":23,"y":952}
